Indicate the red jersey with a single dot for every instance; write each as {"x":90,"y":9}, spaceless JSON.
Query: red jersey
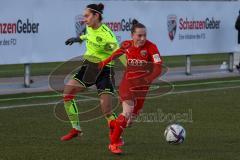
{"x":140,"y":59}
{"x":138,"y":56}
{"x":143,"y":66}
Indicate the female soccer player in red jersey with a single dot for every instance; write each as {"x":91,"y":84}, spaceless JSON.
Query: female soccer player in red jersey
{"x":144,"y":64}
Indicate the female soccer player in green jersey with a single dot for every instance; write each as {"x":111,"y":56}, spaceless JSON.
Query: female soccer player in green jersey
{"x":100,"y":44}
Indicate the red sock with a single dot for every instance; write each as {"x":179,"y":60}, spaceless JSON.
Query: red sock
{"x":119,"y":125}
{"x":68,"y":97}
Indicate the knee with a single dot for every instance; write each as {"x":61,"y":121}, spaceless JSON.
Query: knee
{"x":105,"y":103}
{"x":68,"y":95}
{"x":106,"y":108}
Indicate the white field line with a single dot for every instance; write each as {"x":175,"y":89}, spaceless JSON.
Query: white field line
{"x":202,"y":90}
{"x":90,"y":92}
{"x":45,"y":104}
{"x":91,"y":98}
{"x":38,"y":97}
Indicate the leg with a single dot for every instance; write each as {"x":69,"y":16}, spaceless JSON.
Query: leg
{"x":138,"y":106}
{"x":139,"y":102}
{"x":128,"y":106}
{"x":119,"y":124}
{"x":105,"y":86}
{"x":106,"y":106}
{"x":70,"y":91}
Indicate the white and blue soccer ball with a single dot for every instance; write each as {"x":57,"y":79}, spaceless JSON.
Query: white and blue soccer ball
{"x":175,"y":134}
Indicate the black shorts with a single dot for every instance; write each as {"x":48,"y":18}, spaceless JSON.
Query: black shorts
{"x":89,"y":74}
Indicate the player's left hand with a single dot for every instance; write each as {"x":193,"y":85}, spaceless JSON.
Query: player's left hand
{"x":70,"y":41}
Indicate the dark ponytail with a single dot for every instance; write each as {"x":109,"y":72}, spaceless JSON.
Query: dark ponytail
{"x":101,"y":7}
{"x":135,"y":25}
{"x":96,"y":9}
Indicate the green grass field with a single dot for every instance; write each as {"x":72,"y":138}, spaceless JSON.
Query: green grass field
{"x":29,"y":129}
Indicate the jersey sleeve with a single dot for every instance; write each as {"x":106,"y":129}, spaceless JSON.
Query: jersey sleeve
{"x":117,"y":53}
{"x":155,"y":56}
{"x":155,"y":66}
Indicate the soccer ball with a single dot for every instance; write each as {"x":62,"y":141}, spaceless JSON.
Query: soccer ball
{"x":175,"y":134}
